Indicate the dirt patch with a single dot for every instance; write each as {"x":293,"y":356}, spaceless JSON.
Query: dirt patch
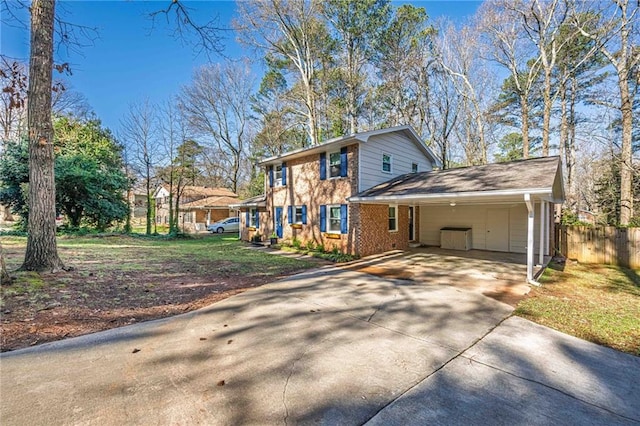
{"x":391,"y":273}
{"x":113,"y":287}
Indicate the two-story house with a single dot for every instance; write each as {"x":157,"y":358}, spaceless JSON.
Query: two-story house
{"x":381,"y":190}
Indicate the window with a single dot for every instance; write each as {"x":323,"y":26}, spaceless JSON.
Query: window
{"x":386,"y":163}
{"x":334,"y":219}
{"x":393,"y":218}
{"x":414,"y":167}
{"x":334,"y":164}
{"x":297,"y":215}
{"x":278,"y":174}
{"x":253,"y":215}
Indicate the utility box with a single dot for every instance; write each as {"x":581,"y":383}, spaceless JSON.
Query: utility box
{"x":455,"y":238}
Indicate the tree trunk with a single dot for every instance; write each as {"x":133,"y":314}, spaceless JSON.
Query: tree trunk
{"x":149,"y":204}
{"x":546,"y":112}
{"x":5,"y":278}
{"x":626,"y":164}
{"x":524,"y":114}
{"x":42,"y":251}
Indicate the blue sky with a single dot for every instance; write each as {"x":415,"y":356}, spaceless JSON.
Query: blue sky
{"x":129,"y":62}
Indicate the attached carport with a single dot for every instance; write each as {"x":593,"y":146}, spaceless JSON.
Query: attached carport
{"x":506,"y":207}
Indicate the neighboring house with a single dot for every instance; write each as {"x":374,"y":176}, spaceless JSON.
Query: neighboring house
{"x":377,"y":191}
{"x":199,"y":206}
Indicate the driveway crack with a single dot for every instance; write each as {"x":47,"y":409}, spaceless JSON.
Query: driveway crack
{"x":552,"y":388}
{"x":291,"y":370}
{"x":456,"y":356}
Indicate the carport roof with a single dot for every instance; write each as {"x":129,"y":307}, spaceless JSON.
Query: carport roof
{"x":541,"y":177}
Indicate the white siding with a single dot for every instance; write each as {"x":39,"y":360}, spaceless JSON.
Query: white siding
{"x":432,"y":218}
{"x":403,"y":152}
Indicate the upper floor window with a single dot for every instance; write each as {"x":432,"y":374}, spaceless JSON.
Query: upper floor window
{"x":414,"y":167}
{"x":278,"y":174}
{"x":386,"y":163}
{"x":334,"y":164}
{"x":337,"y":162}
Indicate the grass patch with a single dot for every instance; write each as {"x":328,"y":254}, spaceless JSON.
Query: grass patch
{"x":598,"y":303}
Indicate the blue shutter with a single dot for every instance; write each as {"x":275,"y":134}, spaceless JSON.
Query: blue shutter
{"x":323,"y":165}
{"x":284,"y":174}
{"x":270,"y":176}
{"x":290,"y":215}
{"x":247,"y":219}
{"x":323,"y":218}
{"x":343,"y":218}
{"x":343,"y":161}
{"x":304,"y":215}
{"x":257,"y":219}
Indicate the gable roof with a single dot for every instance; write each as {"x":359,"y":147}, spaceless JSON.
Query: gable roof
{"x":257,"y":201}
{"x":361,"y":137}
{"x":537,"y":176}
{"x":211,"y":202}
{"x":192,"y":191}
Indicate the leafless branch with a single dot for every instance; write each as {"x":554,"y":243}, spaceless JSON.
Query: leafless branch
{"x":179,"y":17}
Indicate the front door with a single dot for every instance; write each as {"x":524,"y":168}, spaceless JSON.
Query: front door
{"x":411,"y":231}
{"x":277,"y":221}
{"x":497,"y":230}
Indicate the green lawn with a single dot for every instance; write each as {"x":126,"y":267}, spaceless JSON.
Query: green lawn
{"x":141,"y":253}
{"x":598,"y":303}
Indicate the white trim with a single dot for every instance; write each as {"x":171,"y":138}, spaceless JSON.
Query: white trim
{"x":530,"y":222}
{"x":453,"y":196}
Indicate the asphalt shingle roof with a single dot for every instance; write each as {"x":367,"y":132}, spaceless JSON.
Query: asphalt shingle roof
{"x":513,"y":175}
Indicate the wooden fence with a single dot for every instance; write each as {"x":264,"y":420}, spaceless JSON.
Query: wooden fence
{"x":605,"y":245}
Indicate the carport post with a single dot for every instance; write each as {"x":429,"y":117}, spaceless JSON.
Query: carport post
{"x":542,"y":229}
{"x":530,"y":217}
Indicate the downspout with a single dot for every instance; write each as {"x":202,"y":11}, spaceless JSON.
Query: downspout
{"x":530,"y":223}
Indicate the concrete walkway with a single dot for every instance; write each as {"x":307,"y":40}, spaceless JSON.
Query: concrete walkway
{"x":329,"y":346}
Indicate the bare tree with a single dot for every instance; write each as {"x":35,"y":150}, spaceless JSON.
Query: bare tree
{"x":290,"y":30}
{"x":138,"y":132}
{"x":13,"y":99}
{"x":217,"y":106}
{"x":542,"y":22}
{"x":616,"y":32}
{"x":457,"y":52}
{"x":510,"y":48}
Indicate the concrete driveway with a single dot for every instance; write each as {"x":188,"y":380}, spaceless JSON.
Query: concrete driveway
{"x":330,"y":346}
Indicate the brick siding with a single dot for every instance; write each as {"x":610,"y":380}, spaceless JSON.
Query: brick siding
{"x":374,"y":236}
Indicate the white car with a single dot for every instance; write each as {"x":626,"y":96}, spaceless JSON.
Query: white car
{"x":230,"y":224}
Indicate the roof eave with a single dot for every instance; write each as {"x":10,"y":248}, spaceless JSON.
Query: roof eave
{"x":543,"y":193}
